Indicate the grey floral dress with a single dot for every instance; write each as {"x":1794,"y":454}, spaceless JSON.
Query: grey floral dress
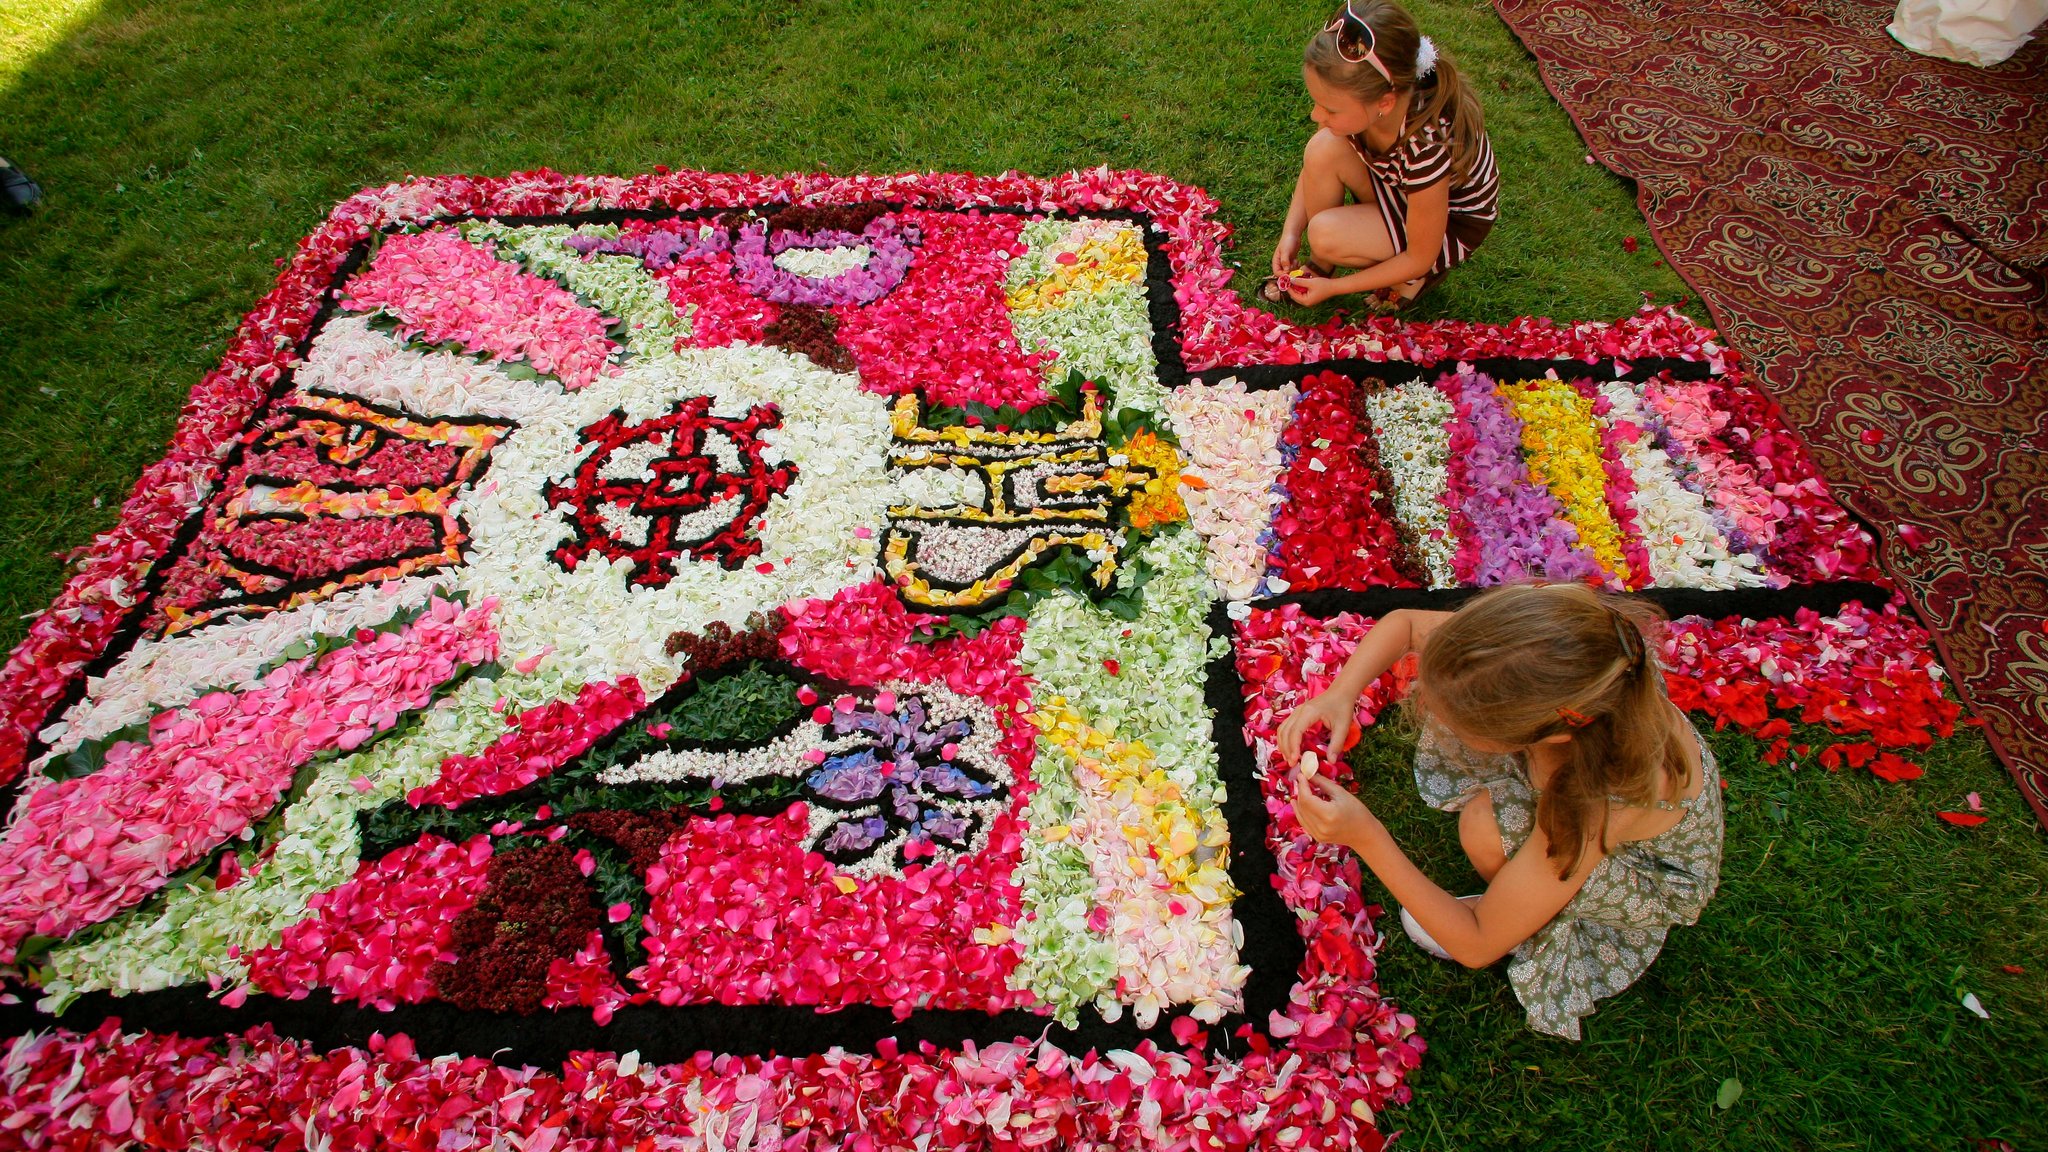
{"x":1611,"y":931}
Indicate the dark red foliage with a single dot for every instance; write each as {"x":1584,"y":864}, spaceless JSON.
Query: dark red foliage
{"x":538,"y":907}
{"x":639,"y":835}
{"x":822,"y":217}
{"x":810,"y":332}
{"x":718,"y":645}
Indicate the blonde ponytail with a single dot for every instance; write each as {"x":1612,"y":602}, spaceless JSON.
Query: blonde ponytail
{"x":1522,"y":663}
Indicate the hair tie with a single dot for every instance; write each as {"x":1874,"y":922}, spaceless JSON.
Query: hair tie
{"x":1631,"y":640}
{"x":1574,"y":718}
{"x":1425,"y":57}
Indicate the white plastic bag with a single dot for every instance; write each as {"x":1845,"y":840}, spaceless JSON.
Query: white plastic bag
{"x":1980,"y":32}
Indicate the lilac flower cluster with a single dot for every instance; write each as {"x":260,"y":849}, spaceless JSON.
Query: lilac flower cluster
{"x":1509,"y":527}
{"x":658,"y":247}
{"x":889,"y":241}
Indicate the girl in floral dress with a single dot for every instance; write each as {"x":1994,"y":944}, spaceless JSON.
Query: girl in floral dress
{"x":1401,"y":131}
{"x":1586,"y":800}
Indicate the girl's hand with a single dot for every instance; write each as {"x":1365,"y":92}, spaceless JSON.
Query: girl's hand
{"x":1331,"y":814}
{"x":1331,"y":709}
{"x":1311,"y":290}
{"x":1287,"y":254}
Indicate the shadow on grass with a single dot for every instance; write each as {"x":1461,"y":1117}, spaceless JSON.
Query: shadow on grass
{"x":1825,"y":975}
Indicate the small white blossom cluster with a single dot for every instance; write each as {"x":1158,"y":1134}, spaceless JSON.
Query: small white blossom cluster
{"x":1412,"y":423}
{"x":822,"y":263}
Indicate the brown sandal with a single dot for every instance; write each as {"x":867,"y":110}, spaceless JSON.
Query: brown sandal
{"x":1390,"y":302}
{"x":1381,"y":302}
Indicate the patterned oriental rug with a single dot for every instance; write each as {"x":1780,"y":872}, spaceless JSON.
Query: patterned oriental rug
{"x":1868,"y":227}
{"x":704,"y":661}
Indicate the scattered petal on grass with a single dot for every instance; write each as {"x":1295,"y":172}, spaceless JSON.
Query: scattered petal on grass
{"x":1963,"y":819}
{"x":1976,"y":802}
{"x":1975,"y":1005}
{"x":1731,"y":1091}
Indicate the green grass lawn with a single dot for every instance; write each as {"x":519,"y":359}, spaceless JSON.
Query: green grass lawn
{"x":185,"y":144}
{"x":1826,"y":977}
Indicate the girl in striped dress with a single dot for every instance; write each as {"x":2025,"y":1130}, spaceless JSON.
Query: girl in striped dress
{"x":1400,"y":130}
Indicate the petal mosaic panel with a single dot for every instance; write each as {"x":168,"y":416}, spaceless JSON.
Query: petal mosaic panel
{"x":725,"y":660}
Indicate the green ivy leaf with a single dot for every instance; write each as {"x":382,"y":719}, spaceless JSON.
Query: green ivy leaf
{"x":91,"y":755}
{"x":1067,"y":393}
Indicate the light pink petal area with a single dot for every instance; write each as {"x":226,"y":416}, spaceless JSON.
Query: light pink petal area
{"x":1743,"y":504}
{"x":80,"y":850}
{"x":442,"y":288}
{"x":946,"y":328}
{"x":741,"y":914}
{"x":376,"y":939}
{"x":586,"y":981}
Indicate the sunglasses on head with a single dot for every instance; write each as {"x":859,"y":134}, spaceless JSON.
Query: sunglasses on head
{"x":1355,"y":40}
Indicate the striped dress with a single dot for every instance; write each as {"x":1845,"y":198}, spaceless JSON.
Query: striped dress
{"x":1420,"y":158}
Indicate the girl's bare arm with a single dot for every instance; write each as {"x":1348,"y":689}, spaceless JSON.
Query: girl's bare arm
{"x":1525,"y":894}
{"x":1391,"y":637}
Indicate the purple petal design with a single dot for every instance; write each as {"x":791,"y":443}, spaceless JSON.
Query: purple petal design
{"x":889,"y":241}
{"x":854,"y":837}
{"x":850,"y":779}
{"x":901,"y":780}
{"x":658,"y":249}
{"x":1518,"y":527}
